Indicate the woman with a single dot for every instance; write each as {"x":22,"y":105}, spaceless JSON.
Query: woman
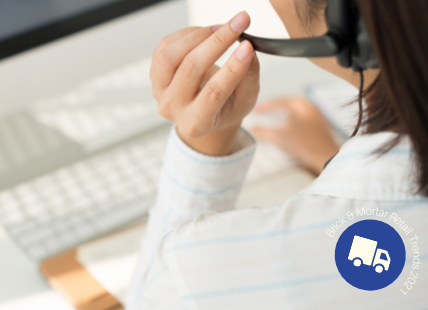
{"x":198,"y":254}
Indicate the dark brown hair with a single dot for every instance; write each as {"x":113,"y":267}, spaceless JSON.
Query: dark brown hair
{"x":398,"y":99}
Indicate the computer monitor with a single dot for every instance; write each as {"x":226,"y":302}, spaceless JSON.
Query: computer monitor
{"x":49,"y":46}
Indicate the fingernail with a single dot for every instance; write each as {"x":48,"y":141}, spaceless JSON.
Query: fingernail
{"x":244,"y":50}
{"x":240,"y":22}
{"x":216,"y":27}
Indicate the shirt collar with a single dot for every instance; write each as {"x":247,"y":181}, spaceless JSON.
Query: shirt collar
{"x":359,"y":172}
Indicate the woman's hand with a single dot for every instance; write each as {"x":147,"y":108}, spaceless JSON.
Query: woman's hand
{"x":207,"y":103}
{"x":305,"y":135}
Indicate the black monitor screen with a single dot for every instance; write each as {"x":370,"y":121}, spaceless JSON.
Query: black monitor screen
{"x":25,"y":24}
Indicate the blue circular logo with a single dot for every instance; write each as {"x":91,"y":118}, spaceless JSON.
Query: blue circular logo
{"x":370,"y":255}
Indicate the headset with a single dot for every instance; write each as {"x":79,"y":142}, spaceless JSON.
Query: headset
{"x":347,"y":39}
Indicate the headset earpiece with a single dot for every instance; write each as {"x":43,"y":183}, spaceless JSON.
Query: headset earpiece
{"x":363,"y":55}
{"x":339,"y":22}
{"x":344,"y":21}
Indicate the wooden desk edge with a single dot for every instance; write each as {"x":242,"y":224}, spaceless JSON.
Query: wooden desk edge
{"x":68,"y":277}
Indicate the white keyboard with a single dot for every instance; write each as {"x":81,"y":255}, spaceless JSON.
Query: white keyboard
{"x":55,"y":191}
{"x":62,"y":209}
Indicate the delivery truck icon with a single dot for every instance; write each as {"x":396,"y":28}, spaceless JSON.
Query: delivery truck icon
{"x":364,"y":251}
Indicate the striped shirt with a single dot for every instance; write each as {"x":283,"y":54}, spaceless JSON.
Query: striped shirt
{"x":200,"y":253}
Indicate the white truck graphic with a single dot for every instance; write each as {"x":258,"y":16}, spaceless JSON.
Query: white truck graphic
{"x":363,"y":251}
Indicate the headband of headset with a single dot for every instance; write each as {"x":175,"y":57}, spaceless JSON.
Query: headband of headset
{"x":347,"y":39}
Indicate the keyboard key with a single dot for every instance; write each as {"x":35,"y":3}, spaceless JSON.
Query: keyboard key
{"x":23,"y":228}
{"x":13,"y":217}
{"x":8,"y":202}
{"x":38,"y":235}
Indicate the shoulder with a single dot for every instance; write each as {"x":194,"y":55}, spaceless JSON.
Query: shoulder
{"x":298,"y":211}
{"x":254,"y":227}
{"x":212,"y":225}
{"x":300,"y":214}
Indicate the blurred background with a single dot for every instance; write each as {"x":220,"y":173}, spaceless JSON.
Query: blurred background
{"x":81,"y":143}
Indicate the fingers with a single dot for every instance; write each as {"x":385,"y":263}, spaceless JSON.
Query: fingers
{"x":166,"y":41}
{"x":175,"y":36}
{"x":249,"y":86}
{"x":210,"y":73}
{"x":198,"y":61}
{"x":171,"y":55}
{"x":267,"y":134}
{"x":283,"y":103}
{"x":219,"y":88}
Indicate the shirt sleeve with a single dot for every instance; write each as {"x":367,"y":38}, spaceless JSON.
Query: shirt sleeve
{"x":190,"y":183}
